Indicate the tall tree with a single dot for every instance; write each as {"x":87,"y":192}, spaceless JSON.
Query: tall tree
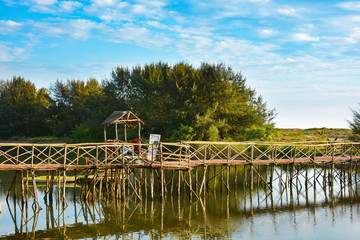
{"x":23,"y":109}
{"x":77,"y":102}
{"x":211,"y":102}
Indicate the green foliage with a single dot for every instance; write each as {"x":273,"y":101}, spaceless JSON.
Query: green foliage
{"x":322,"y":134}
{"x":183,"y":133}
{"x":311,"y":134}
{"x":180,"y":102}
{"x":213,"y":133}
{"x":23,"y":109}
{"x":212,"y":99}
{"x":260,"y":133}
{"x":355,"y":125}
{"x":81,"y":133}
{"x":78,"y":102}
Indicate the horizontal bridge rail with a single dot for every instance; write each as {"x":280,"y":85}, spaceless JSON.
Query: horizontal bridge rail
{"x":183,"y":154}
{"x":272,"y":152}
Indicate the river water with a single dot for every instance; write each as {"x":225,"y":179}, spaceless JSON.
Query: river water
{"x":296,"y":211}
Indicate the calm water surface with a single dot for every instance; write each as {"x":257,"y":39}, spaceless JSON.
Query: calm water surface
{"x":284,"y":213}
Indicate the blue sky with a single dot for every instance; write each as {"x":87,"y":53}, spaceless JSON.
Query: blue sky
{"x":301,"y":56}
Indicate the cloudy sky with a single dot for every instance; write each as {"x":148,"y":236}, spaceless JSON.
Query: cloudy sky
{"x":302,"y":56}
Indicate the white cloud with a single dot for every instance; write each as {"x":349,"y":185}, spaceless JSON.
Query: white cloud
{"x":9,"y":53}
{"x":117,"y":11}
{"x":105,"y":3}
{"x":267,"y":32}
{"x":305,"y":37}
{"x":9,"y":26}
{"x":347,"y":27}
{"x":69,"y":6}
{"x":139,"y":9}
{"x":131,"y":33}
{"x":81,"y":29}
{"x":12,"y":23}
{"x":44,"y":2}
{"x":156,"y":24}
{"x":287,"y":11}
{"x":353,"y":6}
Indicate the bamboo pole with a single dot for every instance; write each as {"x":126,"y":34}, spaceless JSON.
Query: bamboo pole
{"x":152,"y":184}
{"x":162,"y":171}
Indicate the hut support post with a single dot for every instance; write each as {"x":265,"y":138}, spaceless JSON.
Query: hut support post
{"x":116,"y":133}
{"x":125,"y":133}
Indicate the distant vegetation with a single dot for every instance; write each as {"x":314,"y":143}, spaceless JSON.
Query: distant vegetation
{"x":181,"y":102}
{"x":312,"y":134}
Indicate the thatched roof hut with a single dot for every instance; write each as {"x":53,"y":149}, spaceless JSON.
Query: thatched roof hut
{"x":127,"y":118}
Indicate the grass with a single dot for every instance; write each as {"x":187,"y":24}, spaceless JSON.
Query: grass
{"x":311,"y":134}
{"x":43,"y":139}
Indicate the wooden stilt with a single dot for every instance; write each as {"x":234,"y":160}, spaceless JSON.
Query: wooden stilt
{"x":152,"y":184}
{"x":235,"y":177}
{"x":227,"y":178}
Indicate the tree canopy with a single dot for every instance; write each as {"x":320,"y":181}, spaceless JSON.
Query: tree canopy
{"x":355,"y":125}
{"x":180,"y":102}
{"x":23,"y":109}
{"x":211,"y":102}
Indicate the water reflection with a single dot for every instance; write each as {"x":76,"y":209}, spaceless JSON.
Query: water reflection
{"x":302,"y":207}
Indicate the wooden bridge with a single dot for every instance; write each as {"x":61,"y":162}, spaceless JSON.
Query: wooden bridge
{"x":118,"y":169}
{"x":182,"y":156}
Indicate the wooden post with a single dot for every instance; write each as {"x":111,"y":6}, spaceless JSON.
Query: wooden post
{"x":272,"y":175}
{"x":139,"y":124}
{"x":306,"y":177}
{"x":179,"y":182}
{"x":235,"y":178}
{"x":64,"y":185}
{"x":32,"y":156}
{"x":152,"y":183}
{"x":214,"y":178}
{"x":125,"y":132}
{"x":65,"y":152}
{"x":105,"y":133}
{"x":228,"y":170}
{"x":251,"y":178}
{"x":189,"y":171}
{"x":123,"y":171}
{"x":22,"y":189}
{"x":162,"y":171}
{"x":36,"y":196}
{"x":116,"y":132}
{"x":314,"y":175}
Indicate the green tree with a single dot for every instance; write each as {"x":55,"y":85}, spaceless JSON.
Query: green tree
{"x":213,"y":100}
{"x":79,"y":103}
{"x":322,"y":133}
{"x":24,"y":110}
{"x":256,"y":133}
{"x":355,"y":125}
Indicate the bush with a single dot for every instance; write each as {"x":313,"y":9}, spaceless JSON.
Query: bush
{"x":81,"y":133}
{"x":259,"y":133}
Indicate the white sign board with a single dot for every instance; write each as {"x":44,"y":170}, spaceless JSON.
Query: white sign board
{"x":154,"y":144}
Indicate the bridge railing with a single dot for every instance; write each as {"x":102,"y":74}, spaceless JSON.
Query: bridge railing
{"x":270,"y":152}
{"x":184,"y":153}
{"x":99,"y":154}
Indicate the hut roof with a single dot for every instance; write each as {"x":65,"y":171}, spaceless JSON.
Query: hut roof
{"x":122,"y":117}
